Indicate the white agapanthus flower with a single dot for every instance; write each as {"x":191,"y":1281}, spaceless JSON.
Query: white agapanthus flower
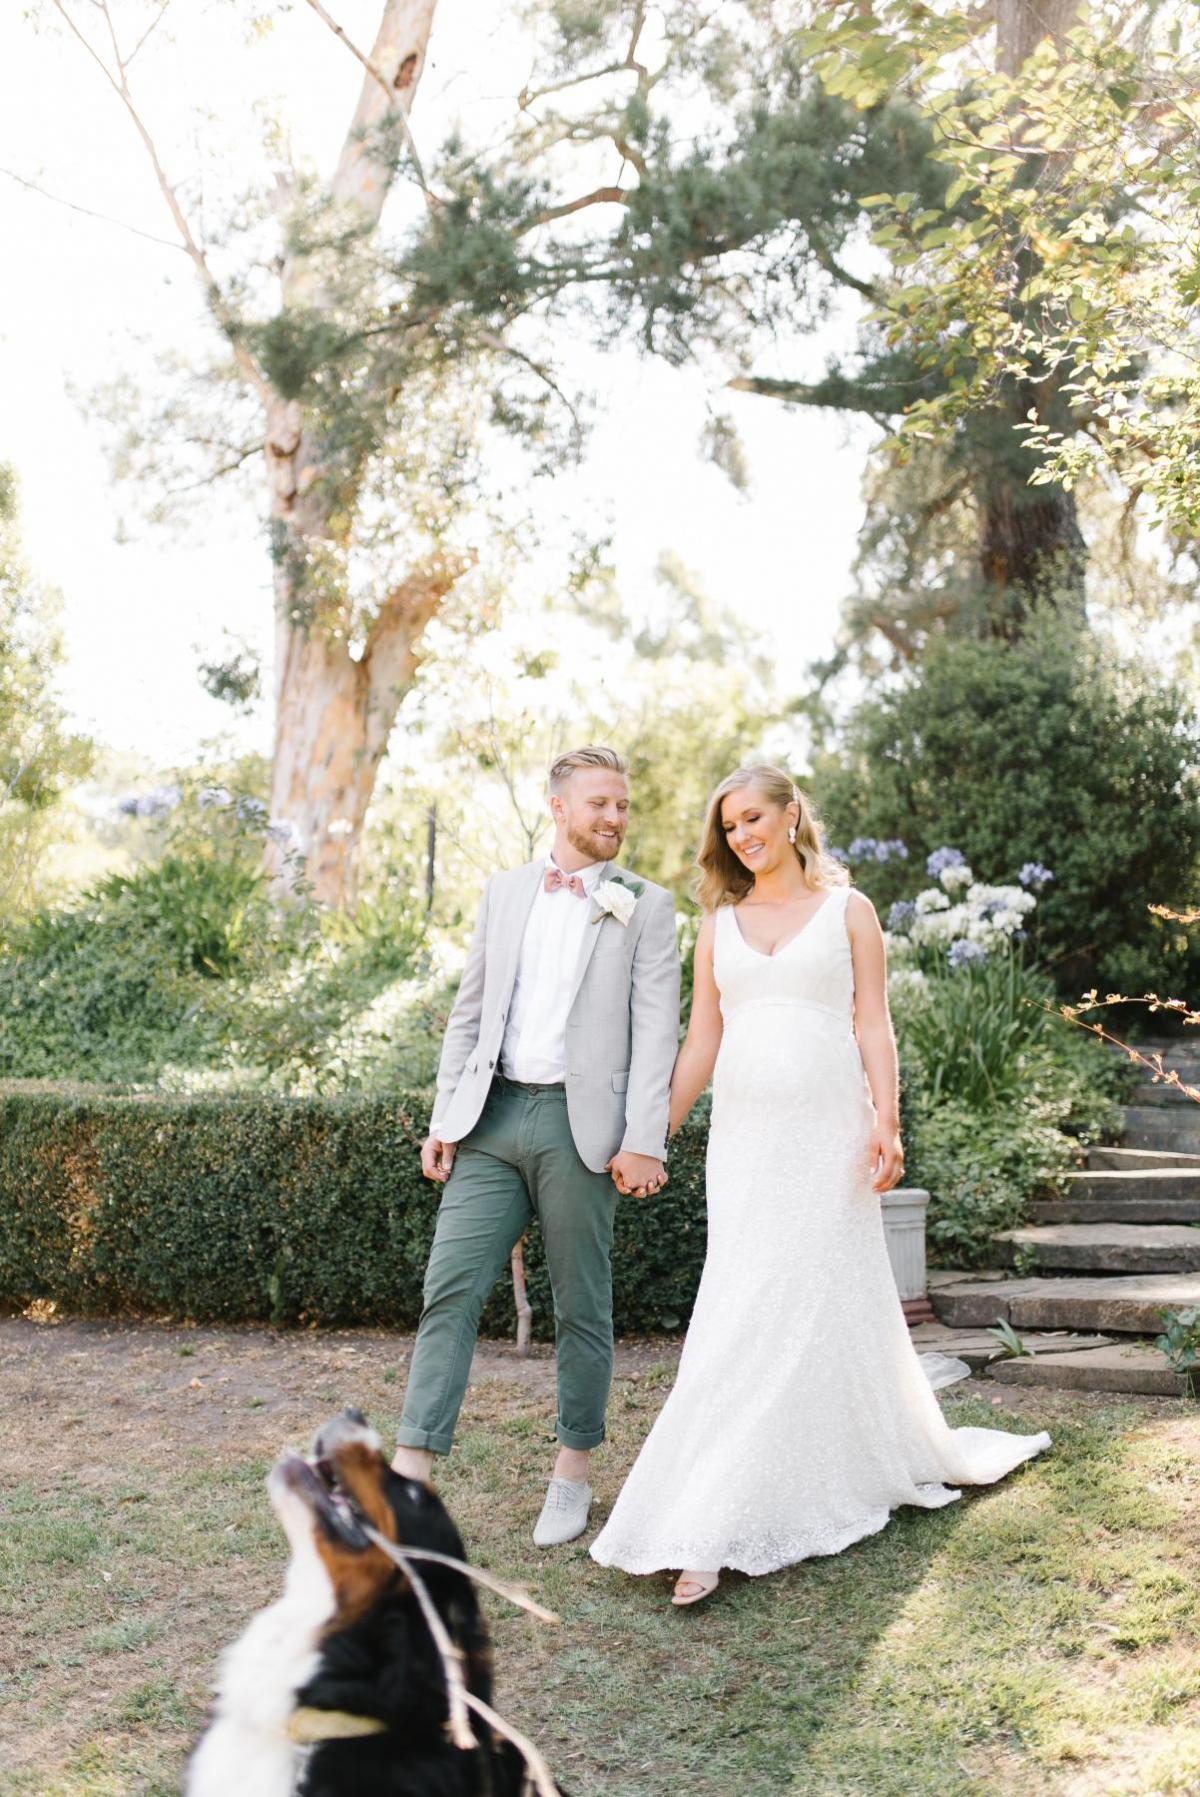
{"x":955,"y":878}
{"x":907,"y":979}
{"x":932,"y":899}
{"x":1011,"y":898}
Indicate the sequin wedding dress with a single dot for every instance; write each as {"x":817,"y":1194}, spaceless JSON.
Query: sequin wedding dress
{"x":801,"y":1416}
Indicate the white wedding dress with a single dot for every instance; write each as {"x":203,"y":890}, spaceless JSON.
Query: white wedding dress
{"x":801,"y":1416}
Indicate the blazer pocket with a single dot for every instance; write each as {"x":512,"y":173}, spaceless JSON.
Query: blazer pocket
{"x":620,"y":1081}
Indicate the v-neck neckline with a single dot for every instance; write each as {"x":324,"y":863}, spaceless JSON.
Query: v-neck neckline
{"x":776,"y":952}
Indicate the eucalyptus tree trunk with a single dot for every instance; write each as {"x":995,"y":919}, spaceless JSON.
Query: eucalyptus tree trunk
{"x":334,"y":710}
{"x":1031,"y":548}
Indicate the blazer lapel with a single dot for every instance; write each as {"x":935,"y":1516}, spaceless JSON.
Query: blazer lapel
{"x":525,"y":891}
{"x":591,"y":932}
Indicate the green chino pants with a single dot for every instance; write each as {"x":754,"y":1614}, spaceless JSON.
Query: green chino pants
{"x":518,"y":1162}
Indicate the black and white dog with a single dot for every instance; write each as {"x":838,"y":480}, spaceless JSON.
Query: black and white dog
{"x":337,"y":1690}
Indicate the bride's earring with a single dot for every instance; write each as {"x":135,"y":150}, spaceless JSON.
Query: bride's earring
{"x":792,"y":834}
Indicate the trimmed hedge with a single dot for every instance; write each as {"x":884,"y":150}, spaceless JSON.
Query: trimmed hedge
{"x":279,"y":1210}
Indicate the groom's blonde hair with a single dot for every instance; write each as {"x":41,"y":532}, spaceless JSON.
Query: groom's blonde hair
{"x":723,"y":880}
{"x":591,"y":755}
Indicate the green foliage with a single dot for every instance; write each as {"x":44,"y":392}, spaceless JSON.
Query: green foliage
{"x":203,"y":910}
{"x":997,"y":1096}
{"x":1067,"y":268}
{"x":1056,"y":749}
{"x":38,"y":754}
{"x":1180,"y":1339}
{"x":1011,"y":1346}
{"x":981,"y":1169}
{"x":279,"y":1210}
{"x":979,"y":1031}
{"x":186,"y":971}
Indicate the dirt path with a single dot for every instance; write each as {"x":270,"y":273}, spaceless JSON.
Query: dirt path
{"x":85,"y":1388}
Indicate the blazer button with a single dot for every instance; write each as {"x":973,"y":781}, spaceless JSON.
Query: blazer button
{"x":491,"y":1063}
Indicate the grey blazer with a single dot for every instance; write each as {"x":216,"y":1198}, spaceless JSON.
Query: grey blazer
{"x":622,"y":1027}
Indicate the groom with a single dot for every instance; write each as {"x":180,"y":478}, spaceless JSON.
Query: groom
{"x":552,"y":1090}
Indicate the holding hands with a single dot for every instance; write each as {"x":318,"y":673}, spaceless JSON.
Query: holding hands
{"x":636,"y":1175}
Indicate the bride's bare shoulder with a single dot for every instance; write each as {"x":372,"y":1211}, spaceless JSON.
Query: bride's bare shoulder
{"x":860,"y":912}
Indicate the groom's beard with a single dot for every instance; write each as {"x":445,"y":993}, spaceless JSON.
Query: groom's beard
{"x":595,"y":846}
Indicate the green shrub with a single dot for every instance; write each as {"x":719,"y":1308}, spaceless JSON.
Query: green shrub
{"x":981,"y":1168}
{"x":979,"y":1031}
{"x":997,"y":1096}
{"x":185,"y":967}
{"x":278,"y":1210}
{"x":1053,"y":749}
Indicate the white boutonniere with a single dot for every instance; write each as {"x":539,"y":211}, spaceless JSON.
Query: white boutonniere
{"x":613,"y":898}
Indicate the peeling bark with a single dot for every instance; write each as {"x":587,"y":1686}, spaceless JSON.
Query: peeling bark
{"x":334,"y":712}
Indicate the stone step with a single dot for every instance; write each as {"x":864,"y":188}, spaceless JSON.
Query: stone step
{"x":979,"y":1346}
{"x":1131,"y":1305}
{"x":1104,"y":1247}
{"x":1163,"y":1126}
{"x":1163,"y":1092}
{"x":1101,"y":1209}
{"x":1146,"y":1195}
{"x":1137,"y":1160}
{"x":1131,"y":1367}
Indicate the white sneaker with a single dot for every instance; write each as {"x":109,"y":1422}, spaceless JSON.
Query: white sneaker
{"x":564,"y":1514}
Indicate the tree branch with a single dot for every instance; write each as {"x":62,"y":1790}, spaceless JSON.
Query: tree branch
{"x":600,"y":196}
{"x":502,"y":348}
{"x":843,"y":397}
{"x":394,"y":111}
{"x":219,"y":305}
{"x":105,"y":218}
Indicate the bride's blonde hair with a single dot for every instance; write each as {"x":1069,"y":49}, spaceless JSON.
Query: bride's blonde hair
{"x":723,"y":879}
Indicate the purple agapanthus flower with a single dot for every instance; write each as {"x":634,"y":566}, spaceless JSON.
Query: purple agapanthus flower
{"x":1035,"y":876}
{"x":900,"y":914}
{"x":251,"y":811}
{"x":964,"y":953}
{"x":870,"y":848}
{"x":943,"y":858}
{"x":155,"y":803}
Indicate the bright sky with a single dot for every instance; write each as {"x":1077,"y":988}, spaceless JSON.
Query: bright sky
{"x":86,"y":300}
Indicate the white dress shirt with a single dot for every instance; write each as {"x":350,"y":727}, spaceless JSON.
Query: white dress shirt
{"x":534,"y":1047}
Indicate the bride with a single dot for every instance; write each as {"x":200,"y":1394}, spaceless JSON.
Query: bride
{"x":801,"y":1416}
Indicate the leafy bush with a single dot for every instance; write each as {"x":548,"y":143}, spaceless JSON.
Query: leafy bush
{"x":186,"y":969}
{"x":1054,"y":750}
{"x":279,"y":1210}
{"x":998,"y":1094}
{"x":981,"y":1168}
{"x":979,"y":1031}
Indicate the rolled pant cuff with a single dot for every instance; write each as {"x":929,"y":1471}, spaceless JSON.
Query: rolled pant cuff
{"x":579,"y":1438}
{"x":423,"y":1438}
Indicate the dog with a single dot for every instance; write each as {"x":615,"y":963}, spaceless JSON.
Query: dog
{"x":338,"y":1689}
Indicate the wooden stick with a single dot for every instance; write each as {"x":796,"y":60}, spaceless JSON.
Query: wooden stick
{"x":457,"y":1694}
{"x":485,"y":1578}
{"x":521,"y":1298}
{"x":539,"y":1771}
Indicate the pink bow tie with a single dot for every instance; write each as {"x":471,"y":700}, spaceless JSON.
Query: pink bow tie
{"x":554,"y":879}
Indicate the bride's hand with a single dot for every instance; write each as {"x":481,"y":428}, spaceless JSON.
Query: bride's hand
{"x":886,"y":1160}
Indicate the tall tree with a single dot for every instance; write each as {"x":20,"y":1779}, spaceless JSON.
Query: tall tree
{"x":756,"y":147}
{"x":39,"y":754}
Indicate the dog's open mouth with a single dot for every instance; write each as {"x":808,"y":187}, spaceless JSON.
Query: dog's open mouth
{"x":338,"y":1480}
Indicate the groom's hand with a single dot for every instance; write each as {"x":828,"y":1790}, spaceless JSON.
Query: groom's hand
{"x":437,"y":1158}
{"x":636,"y":1174}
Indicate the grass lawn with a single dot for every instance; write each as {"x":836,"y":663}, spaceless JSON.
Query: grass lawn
{"x":1038,"y":1638}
